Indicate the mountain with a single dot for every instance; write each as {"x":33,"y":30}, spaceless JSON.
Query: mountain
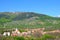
{"x":28,"y":20}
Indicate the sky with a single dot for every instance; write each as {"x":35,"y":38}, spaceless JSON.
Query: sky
{"x":48,"y":7}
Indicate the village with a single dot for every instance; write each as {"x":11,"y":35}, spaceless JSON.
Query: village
{"x":35,"y":32}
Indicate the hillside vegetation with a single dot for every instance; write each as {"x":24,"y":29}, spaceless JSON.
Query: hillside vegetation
{"x":36,"y":26}
{"x":28,"y":20}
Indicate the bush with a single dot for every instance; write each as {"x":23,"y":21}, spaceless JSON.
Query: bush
{"x":47,"y":37}
{"x":19,"y":38}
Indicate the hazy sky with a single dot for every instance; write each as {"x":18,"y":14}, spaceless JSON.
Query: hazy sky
{"x":49,"y":7}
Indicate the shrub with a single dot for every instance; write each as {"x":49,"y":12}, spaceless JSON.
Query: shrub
{"x":19,"y":38}
{"x":47,"y":37}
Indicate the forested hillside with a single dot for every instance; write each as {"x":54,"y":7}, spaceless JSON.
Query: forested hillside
{"x":28,"y":20}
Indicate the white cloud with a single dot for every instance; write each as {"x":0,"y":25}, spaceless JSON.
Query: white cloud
{"x":58,"y":16}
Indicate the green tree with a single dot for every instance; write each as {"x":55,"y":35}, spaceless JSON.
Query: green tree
{"x":19,"y":38}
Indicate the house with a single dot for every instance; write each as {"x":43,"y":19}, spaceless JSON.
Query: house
{"x":15,"y":33}
{"x":6,"y":34}
{"x":26,"y":34}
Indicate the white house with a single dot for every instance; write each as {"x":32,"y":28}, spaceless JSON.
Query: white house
{"x":6,"y":34}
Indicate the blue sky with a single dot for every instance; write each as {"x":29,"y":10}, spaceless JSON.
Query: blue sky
{"x":49,"y":7}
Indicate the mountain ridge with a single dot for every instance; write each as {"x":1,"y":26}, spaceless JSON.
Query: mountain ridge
{"x":28,"y":20}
